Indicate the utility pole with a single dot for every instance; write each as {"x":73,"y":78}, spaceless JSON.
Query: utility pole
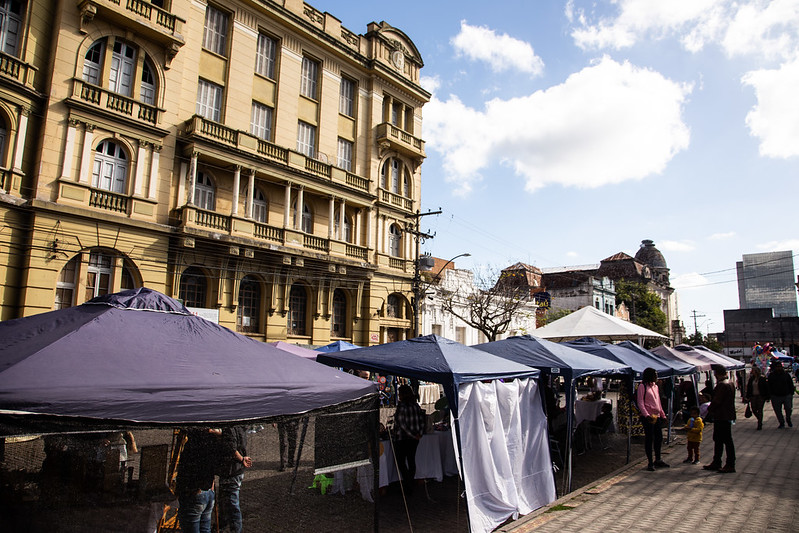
{"x":693,"y":313}
{"x":420,"y":237}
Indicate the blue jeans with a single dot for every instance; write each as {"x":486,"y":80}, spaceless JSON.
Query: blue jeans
{"x":194,"y":512}
{"x":229,"y":509}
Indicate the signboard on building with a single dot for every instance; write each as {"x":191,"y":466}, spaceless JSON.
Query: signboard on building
{"x":208,"y":314}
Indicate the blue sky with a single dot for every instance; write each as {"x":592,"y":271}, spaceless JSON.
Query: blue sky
{"x":562,"y":132}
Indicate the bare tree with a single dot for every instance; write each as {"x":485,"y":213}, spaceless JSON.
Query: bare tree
{"x":490,"y":303}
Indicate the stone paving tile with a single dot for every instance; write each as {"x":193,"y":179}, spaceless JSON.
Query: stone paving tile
{"x":761,"y":496}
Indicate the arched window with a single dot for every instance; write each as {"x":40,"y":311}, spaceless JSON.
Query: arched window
{"x":393,"y":306}
{"x":204,"y":192}
{"x":110,"y":167}
{"x":298,"y":306}
{"x":123,"y":63}
{"x":122,"y":72}
{"x":99,"y":274}
{"x":259,"y":207}
{"x":193,"y":287}
{"x":346,"y":236}
{"x":406,"y":184}
{"x":338,"y":324}
{"x":3,"y":138}
{"x":10,"y":21}
{"x":394,"y":241}
{"x":249,"y":309}
{"x":147,"y":84}
{"x":395,"y":176}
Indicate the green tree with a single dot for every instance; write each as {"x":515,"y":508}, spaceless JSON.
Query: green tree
{"x":705,"y":340}
{"x":644,"y":305}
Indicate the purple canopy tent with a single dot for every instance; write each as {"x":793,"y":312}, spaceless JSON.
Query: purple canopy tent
{"x":296,"y":349}
{"x":141,"y":357}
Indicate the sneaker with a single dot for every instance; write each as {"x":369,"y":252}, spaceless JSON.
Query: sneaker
{"x":696,"y":462}
{"x":650,"y":467}
{"x":781,"y":426}
{"x":661,"y":464}
{"x":712,"y":466}
{"x":789,"y":423}
{"x":727,"y":470}
{"x":688,"y":461}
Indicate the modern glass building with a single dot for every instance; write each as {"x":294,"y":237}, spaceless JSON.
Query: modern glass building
{"x":766,"y":280}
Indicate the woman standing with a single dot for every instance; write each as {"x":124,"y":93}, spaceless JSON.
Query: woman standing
{"x":757,"y":394}
{"x":652,"y":417}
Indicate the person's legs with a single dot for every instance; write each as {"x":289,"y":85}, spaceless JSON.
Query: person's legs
{"x":648,"y":439}
{"x":229,"y":508}
{"x":776,"y":404}
{"x":405,"y":451}
{"x":718,"y":448}
{"x":726,"y":428}
{"x":194,"y":511}
{"x":787,"y":404}
{"x":756,"y":404}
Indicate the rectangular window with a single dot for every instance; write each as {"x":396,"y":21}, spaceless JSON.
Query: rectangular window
{"x":346,"y":99}
{"x":345,"y":154}
{"x":460,"y":335}
{"x":261,"y":121}
{"x":209,"y":100}
{"x":437,"y":329}
{"x":306,"y":139}
{"x":265,"y":54}
{"x":310,"y":73}
{"x":215,"y":31}
{"x":10,"y":21}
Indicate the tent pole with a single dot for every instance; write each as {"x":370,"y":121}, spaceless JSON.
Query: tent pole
{"x":630,"y":422}
{"x":569,"y":445}
{"x":671,"y":406}
{"x":457,"y":427}
{"x":299,"y":453}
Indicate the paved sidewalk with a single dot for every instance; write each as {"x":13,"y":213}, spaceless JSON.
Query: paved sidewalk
{"x":762,"y":495}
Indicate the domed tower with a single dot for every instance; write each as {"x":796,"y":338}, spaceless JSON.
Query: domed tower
{"x":651,"y":256}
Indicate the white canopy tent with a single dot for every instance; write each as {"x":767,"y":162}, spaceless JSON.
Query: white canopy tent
{"x":591,"y":322}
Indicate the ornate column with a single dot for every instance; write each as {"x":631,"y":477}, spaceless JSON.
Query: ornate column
{"x":154,"y":165}
{"x":331,"y":222}
{"x":356,"y":231}
{"x":138,"y":176}
{"x":287,"y":207}
{"x":342,"y":218}
{"x":19,"y":147}
{"x":69,"y":150}
{"x":250,"y":194}
{"x":192,"y":177}
{"x":300,"y":205}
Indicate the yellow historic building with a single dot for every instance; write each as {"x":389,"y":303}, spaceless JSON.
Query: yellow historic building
{"x":255,"y":159}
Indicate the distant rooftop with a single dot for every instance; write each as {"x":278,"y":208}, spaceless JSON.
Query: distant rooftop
{"x":576,"y":268}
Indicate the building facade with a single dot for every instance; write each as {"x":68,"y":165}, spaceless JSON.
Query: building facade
{"x":256,"y":160}
{"x":572,"y":288}
{"x":745,"y":327}
{"x":765,"y":280}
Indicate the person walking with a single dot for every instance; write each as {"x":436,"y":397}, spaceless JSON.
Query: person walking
{"x":652,"y":417}
{"x":231,"y":474}
{"x":722,"y":412}
{"x":780,"y":389}
{"x":409,"y":423}
{"x":757,"y":394}
{"x":194,"y":485}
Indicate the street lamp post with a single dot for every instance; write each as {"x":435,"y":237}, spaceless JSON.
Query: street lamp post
{"x":418,"y":290}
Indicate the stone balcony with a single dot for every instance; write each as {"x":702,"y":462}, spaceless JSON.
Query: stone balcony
{"x":400,"y":140}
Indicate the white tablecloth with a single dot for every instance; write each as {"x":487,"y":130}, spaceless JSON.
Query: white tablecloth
{"x":435,"y":458}
{"x":584,"y":410}
{"x":429,"y":394}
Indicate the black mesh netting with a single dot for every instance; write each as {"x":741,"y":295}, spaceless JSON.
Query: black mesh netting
{"x":63,"y":478}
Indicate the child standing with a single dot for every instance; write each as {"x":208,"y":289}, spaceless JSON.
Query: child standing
{"x":695,"y":426}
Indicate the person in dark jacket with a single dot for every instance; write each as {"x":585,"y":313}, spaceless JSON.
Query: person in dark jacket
{"x":195,"y":480}
{"x":757,"y":394}
{"x":231,"y":474}
{"x":722,"y":411}
{"x":780,"y":389}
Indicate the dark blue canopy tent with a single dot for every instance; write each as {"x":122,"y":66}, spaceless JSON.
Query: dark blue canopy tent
{"x":638,"y":359}
{"x":438,"y":360}
{"x":140,"y":357}
{"x":552,"y":358}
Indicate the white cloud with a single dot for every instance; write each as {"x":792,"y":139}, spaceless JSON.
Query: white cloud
{"x":690,"y":280}
{"x":774,"y":120}
{"x":502,"y":52}
{"x":722,"y":236}
{"x":750,"y":27}
{"x":430,"y":83}
{"x":572,"y":254}
{"x":677,"y":246}
{"x":774,"y":246}
{"x":608,"y":123}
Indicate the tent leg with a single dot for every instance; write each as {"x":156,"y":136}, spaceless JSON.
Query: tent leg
{"x":299,"y":454}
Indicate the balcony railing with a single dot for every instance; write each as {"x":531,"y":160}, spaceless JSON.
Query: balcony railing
{"x":315,"y":243}
{"x":396,"y":200}
{"x":401,"y":140}
{"x":108,"y":200}
{"x":395,"y":262}
{"x":357,"y":182}
{"x":269,"y":233}
{"x":356,"y":252}
{"x":13,"y":68}
{"x":209,"y":219}
{"x":159,"y":23}
{"x":116,"y":103}
{"x":317,"y":167}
